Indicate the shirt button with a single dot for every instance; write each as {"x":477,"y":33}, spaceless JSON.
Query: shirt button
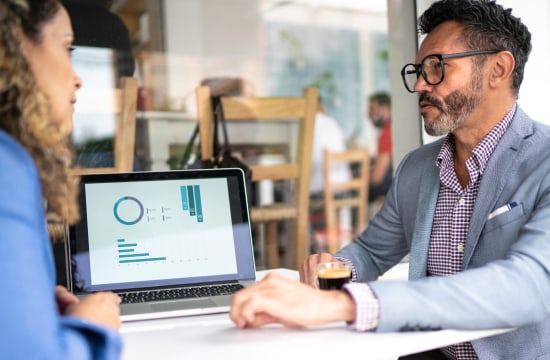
{"x":461,"y":201}
{"x":460,"y":247}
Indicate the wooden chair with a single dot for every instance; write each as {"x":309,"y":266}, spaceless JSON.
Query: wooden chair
{"x":301,"y":109}
{"x":355,"y":190}
{"x":124,"y":107}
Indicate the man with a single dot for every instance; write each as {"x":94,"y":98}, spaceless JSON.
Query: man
{"x":327,"y":135}
{"x":473,"y":208}
{"x":381,"y":170}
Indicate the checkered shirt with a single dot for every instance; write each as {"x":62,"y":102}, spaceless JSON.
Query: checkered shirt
{"x":453,"y":212}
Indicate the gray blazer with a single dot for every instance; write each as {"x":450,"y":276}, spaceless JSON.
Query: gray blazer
{"x":507,"y":258}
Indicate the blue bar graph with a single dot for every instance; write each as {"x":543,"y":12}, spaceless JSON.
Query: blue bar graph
{"x":142,"y":260}
{"x":129,"y":256}
{"x":132,"y":255}
{"x":191,"y":198}
{"x":126,"y":245}
{"x":191,"y":201}
{"x":198,"y":204}
{"x":184,"y":200}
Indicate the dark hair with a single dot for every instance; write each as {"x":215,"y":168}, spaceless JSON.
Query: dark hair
{"x":487,"y":26}
{"x":382,"y":98}
{"x":40,"y":12}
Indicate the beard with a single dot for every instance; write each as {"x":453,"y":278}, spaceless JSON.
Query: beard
{"x":378,"y":122}
{"x":455,"y":107}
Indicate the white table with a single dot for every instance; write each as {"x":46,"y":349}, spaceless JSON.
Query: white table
{"x":215,"y":336}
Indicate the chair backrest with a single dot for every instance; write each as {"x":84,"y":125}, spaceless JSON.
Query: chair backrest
{"x":122,"y":102}
{"x":298,"y":168}
{"x":352,"y":193}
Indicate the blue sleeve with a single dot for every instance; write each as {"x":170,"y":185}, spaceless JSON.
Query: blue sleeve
{"x":31,"y":325}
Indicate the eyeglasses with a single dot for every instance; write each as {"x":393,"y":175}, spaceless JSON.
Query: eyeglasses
{"x":432,"y":68}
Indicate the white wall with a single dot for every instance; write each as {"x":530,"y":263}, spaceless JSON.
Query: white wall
{"x":535,"y":14}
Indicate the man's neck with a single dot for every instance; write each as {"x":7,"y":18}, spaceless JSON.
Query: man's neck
{"x":478,"y":125}
{"x":482,"y":120}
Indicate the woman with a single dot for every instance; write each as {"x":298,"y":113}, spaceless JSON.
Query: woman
{"x":37,"y":96}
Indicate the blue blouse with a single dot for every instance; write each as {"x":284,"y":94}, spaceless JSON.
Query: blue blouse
{"x":31,"y":326}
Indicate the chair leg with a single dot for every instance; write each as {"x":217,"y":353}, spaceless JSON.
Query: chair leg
{"x":272,"y":245}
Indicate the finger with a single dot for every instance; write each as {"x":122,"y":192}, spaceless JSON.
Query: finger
{"x":306,"y":273}
{"x":326,"y":257}
{"x":262,"y":319}
{"x":312,"y":270}
{"x":247,"y":303}
{"x":62,"y":293}
{"x":116,"y":298}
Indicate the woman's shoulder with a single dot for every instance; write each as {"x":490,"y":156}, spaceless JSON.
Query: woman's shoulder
{"x":15,"y":160}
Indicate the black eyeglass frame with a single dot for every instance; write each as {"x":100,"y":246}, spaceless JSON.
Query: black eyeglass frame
{"x":419,"y":68}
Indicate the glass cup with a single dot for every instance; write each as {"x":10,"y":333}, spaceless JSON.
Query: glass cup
{"x":332,"y":275}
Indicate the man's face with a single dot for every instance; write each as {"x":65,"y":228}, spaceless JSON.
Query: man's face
{"x":446,"y":106}
{"x":376,"y":113}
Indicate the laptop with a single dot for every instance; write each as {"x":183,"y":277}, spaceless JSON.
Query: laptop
{"x":150,"y":236}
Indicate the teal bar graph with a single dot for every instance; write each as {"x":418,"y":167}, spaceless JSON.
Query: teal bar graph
{"x":191,"y":201}
{"x":126,"y":245}
{"x":132,"y":255}
{"x":198,"y":203}
{"x":184,"y":200}
{"x":126,"y":255}
{"x":141,"y":260}
{"x":191,"y":198}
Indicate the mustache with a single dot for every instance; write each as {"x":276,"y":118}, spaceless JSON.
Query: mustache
{"x":431,"y":100}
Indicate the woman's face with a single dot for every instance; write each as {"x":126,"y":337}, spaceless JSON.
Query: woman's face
{"x":50,"y":63}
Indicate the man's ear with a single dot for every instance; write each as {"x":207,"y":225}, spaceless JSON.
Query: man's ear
{"x":502,"y":67}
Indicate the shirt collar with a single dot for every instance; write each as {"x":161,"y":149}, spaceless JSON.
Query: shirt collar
{"x":482,"y":151}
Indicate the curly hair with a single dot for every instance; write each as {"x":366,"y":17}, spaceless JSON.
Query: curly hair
{"x":25,"y":110}
{"x":487,"y":26}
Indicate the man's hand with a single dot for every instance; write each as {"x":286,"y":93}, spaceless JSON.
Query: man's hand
{"x":307,"y":270}
{"x":277,"y":299}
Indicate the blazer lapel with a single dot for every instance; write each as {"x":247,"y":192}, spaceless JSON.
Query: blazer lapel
{"x":502,"y":163}
{"x":427,"y":199}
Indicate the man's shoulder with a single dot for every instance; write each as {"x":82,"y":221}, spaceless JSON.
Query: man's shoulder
{"x":325,"y":119}
{"x":526,"y":126}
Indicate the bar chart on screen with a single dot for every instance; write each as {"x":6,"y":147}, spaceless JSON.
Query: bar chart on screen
{"x":127,"y":253}
{"x":191,"y":201}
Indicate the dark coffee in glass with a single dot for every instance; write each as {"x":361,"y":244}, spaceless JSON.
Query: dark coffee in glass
{"x":333,"y":278}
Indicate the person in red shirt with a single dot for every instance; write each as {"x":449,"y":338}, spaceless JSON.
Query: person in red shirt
{"x":381,"y":174}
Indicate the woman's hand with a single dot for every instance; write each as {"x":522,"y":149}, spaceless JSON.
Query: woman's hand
{"x":64,"y":298}
{"x":102,"y":308}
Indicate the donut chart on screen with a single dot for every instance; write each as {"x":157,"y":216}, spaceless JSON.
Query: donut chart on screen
{"x":131,"y":204}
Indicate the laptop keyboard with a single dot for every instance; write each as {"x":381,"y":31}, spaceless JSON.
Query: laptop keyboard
{"x":179,"y":293}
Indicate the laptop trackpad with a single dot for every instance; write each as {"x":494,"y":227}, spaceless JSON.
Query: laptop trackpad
{"x":178,"y":305}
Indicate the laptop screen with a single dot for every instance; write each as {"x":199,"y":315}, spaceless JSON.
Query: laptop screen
{"x":160,"y":229}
